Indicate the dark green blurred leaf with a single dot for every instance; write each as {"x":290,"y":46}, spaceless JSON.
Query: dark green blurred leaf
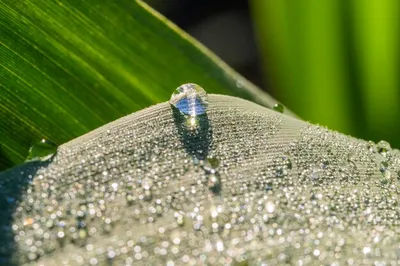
{"x":67,"y":67}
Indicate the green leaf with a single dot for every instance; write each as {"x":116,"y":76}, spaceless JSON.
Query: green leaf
{"x":67,"y":67}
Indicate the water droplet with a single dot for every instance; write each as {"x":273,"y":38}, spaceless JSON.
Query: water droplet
{"x":214,"y":162}
{"x":280,"y":171}
{"x":239,"y":84}
{"x":190,"y":99}
{"x":130,"y":199}
{"x":268,"y":187}
{"x":324,"y":164}
{"x":270,"y":207}
{"x":278,"y":107}
{"x":148,"y":195}
{"x":384,"y":166}
{"x":383,"y":147}
{"x":387,"y":177}
{"x":371,"y":146}
{"x":82,"y":234}
{"x":180,"y":218}
{"x":282,"y":165}
{"x":286,"y":160}
{"x":42,"y":150}
{"x":147,"y":183}
{"x":214,"y":183}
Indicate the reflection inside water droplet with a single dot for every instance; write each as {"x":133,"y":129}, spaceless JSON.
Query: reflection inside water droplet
{"x":42,"y":150}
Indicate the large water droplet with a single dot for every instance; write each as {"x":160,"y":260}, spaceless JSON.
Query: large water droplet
{"x":190,"y":99}
{"x":42,"y":150}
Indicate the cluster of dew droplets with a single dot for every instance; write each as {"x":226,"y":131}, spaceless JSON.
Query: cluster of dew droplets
{"x":331,"y":164}
{"x":306,"y":205}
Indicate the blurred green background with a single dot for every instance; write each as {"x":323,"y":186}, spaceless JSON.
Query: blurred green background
{"x":333,"y":62}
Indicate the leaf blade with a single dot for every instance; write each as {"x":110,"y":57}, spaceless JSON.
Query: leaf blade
{"x":68,"y":67}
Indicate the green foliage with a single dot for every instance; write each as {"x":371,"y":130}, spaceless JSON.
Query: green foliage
{"x":67,"y":67}
{"x":335,"y":62}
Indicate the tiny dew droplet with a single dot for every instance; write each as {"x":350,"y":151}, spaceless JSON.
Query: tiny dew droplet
{"x":42,"y":150}
{"x":384,"y":166}
{"x":214,"y":183}
{"x":383,"y":147}
{"x":279,"y":107}
{"x":214,"y":162}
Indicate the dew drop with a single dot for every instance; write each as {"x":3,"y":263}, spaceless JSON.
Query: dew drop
{"x":287,"y":161}
{"x":148,"y":195}
{"x":147,"y":183}
{"x":42,"y":150}
{"x":130,"y":199}
{"x":214,"y":183}
{"x":180,"y":218}
{"x":384,"y":166}
{"x":386,"y":179}
{"x":278,"y":107}
{"x":324,"y":164}
{"x":270,"y":207}
{"x":280,"y":171}
{"x":214,"y":162}
{"x":383,"y":147}
{"x":268,"y":187}
{"x":371,"y":146}
{"x":190,"y":99}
